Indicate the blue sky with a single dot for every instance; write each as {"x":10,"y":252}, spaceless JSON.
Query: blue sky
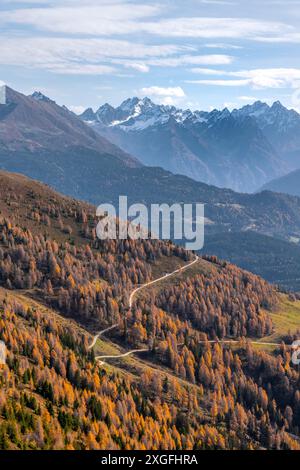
{"x":199,"y":54}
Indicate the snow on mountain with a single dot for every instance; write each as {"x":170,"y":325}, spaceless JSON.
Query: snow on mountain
{"x":38,"y":96}
{"x":275,"y":115}
{"x":241,"y":149}
{"x":137,"y":114}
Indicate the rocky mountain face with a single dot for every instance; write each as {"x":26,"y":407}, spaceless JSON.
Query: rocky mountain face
{"x":45,"y":141}
{"x":242,"y":149}
{"x":281,"y":127}
{"x":36,"y":123}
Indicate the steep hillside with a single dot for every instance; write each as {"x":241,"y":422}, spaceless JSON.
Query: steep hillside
{"x":49,"y":248}
{"x":37,"y":124}
{"x":280,"y":125}
{"x":45,"y":141}
{"x":53,"y":395}
{"x":288,"y":184}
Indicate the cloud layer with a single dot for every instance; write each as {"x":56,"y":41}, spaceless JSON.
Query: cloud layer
{"x":257,"y":78}
{"x":160,"y":47}
{"x":170,"y":96}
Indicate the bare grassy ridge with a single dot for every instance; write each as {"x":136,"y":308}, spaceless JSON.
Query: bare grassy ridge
{"x":286,"y":320}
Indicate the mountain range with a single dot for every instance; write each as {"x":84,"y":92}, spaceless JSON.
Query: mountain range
{"x":241,"y":150}
{"x":49,"y":143}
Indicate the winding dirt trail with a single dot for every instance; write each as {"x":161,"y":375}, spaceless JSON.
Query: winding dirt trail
{"x":228,"y":341}
{"x":179,"y":270}
{"x":100,"y":334}
{"x":128,"y":353}
{"x":131,"y":299}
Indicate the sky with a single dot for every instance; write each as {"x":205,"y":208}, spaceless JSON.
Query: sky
{"x":197,"y":54}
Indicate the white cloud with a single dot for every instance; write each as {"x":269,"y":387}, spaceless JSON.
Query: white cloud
{"x":161,"y":91}
{"x":82,"y":69}
{"x":102,"y":20}
{"x":217,"y":2}
{"x":248,"y":99}
{"x":167,"y":95}
{"x":222,"y":46}
{"x":253,"y":99}
{"x":211,"y":59}
{"x":122,"y":17}
{"x":77,"y":109}
{"x":204,"y":71}
{"x":228,"y":83}
{"x":78,"y":56}
{"x":229,"y":105}
{"x":179,"y":60}
{"x":169,"y":101}
{"x":98,"y":56}
{"x":208,"y":28}
{"x":295,"y":100}
{"x":290,"y":38}
{"x":143,"y":68}
{"x":256,"y":78}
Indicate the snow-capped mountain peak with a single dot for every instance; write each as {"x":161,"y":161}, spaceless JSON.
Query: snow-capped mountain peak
{"x":241,"y":149}
{"x":136,"y":114}
{"x":39,"y":96}
{"x":88,"y":115}
{"x":133,"y":113}
{"x":139,"y":113}
{"x":276,"y":116}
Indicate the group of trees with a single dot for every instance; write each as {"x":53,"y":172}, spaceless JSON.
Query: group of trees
{"x":175,"y":320}
{"x":81,"y":281}
{"x":53,"y":395}
{"x":227,"y":302}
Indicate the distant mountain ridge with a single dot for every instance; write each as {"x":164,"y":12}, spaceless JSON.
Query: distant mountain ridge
{"x":36,"y":123}
{"x":48,"y":142}
{"x":288,"y":184}
{"x":242,"y":149}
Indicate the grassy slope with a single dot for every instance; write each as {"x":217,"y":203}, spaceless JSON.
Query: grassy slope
{"x":286,"y":319}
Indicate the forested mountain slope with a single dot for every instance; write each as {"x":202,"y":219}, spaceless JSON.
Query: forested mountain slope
{"x":185,"y":392}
